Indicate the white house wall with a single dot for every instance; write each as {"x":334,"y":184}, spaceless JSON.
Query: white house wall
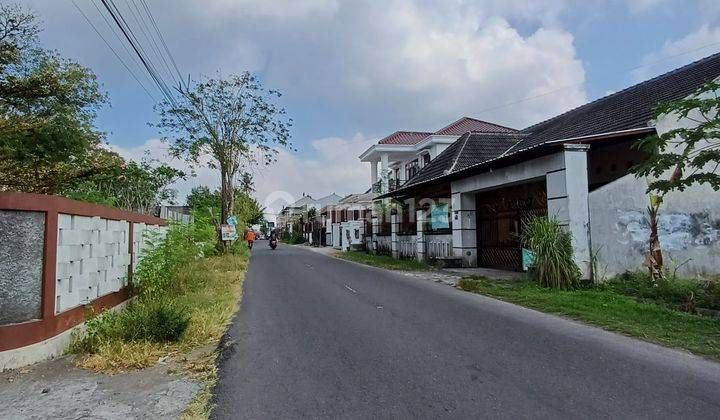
{"x":689,"y":228}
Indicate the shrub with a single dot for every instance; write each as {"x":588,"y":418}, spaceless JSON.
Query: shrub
{"x":157,"y":320}
{"x":294,"y":239}
{"x":551,"y":245}
{"x":672,"y":291}
{"x":165,"y":256}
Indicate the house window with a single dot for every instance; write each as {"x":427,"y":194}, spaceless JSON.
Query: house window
{"x":411,"y":168}
{"x":426,"y":159}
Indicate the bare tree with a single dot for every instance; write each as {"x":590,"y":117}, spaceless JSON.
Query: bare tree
{"x":234,"y":121}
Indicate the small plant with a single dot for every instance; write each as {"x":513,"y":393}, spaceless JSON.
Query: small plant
{"x":551,"y":245}
{"x":295,"y":239}
{"x":156,"y":320}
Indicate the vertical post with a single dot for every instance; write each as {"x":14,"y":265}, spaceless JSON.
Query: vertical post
{"x":464,"y":230}
{"x":131,"y":252}
{"x":373,"y":172}
{"x":567,"y":200}
{"x":394,"y":228}
{"x":384,"y":173}
{"x":375,"y":231}
{"x":420,"y":253}
{"x":49,"y":276}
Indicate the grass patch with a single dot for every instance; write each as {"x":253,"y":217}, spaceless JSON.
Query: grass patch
{"x":384,"y":261}
{"x":209,"y":289}
{"x":612,"y":311}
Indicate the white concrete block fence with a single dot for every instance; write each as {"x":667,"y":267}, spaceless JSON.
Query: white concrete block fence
{"x":57,"y":257}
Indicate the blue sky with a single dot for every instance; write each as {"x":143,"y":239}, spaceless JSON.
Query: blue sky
{"x":353,"y":71}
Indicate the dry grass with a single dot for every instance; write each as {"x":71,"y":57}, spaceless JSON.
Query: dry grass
{"x":211,"y":288}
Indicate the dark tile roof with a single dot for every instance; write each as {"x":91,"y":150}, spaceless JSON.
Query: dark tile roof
{"x":627,"y":109}
{"x":404,"y":137}
{"x":465,"y":124}
{"x":465,"y":152}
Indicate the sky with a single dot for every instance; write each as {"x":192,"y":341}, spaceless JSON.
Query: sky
{"x":353,"y":71}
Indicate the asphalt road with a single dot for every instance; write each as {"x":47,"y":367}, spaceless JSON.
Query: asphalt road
{"x":318,"y":337}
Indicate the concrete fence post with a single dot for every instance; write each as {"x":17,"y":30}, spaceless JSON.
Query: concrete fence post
{"x":375,"y":231}
{"x":394,"y":227}
{"x":420,"y":244}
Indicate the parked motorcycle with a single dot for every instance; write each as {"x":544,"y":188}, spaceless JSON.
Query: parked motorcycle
{"x":273,"y":243}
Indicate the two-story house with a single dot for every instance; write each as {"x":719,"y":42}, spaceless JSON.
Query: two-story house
{"x":399,"y":156}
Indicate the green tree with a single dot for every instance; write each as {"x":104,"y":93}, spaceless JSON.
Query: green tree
{"x":130,"y":186}
{"x":233,"y":120}
{"x":207,"y":203}
{"x":691,"y":152}
{"x":48,"y":105}
{"x":684,"y":156}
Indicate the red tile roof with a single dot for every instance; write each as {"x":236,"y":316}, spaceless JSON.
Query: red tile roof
{"x":404,"y":137}
{"x":465,"y":124}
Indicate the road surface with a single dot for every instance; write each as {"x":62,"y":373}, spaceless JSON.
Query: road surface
{"x":318,"y":337}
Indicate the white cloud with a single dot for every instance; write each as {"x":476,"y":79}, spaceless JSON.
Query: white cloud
{"x":275,"y":9}
{"x":693,"y":46}
{"x":405,"y":63}
{"x":640,"y":6}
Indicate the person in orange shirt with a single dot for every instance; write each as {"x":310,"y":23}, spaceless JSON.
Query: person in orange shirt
{"x":250,"y":238}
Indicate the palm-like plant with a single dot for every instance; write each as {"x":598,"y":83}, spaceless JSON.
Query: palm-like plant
{"x":551,"y":245}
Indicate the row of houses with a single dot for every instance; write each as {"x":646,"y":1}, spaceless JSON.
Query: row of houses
{"x":461,"y":193}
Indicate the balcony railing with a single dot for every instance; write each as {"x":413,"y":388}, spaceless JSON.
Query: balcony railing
{"x":393,"y":184}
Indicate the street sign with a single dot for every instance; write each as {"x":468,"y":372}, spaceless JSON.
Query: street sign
{"x":228,"y":233}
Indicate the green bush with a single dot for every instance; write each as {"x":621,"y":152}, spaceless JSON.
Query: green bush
{"x":157,"y":320}
{"x":672,"y":291}
{"x":551,"y":245}
{"x":154,"y":315}
{"x":294,"y":239}
{"x":159,"y":264}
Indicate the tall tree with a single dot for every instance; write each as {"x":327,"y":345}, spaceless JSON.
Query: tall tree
{"x":690,"y":153}
{"x":234,"y":121}
{"x":48,"y":106}
{"x":680,"y":158}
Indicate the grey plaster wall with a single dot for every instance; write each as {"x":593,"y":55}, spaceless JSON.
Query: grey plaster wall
{"x":21,"y":262}
{"x":689,"y":228}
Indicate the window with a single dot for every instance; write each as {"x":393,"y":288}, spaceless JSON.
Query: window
{"x":426,"y":158}
{"x":411,"y":168}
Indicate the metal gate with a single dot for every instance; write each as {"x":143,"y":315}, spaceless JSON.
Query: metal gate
{"x":500,"y":216}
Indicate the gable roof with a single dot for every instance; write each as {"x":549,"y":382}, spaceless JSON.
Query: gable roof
{"x":466,"y":124}
{"x":628,"y":109}
{"x":463,"y":153}
{"x":404,"y":137}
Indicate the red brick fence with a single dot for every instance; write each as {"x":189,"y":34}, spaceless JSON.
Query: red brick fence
{"x":58,"y":256}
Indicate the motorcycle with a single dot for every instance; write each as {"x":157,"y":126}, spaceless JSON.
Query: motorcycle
{"x":273,"y":243}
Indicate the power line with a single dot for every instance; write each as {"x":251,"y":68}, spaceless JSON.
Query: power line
{"x":140,"y":20}
{"x":111,"y":27}
{"x":162,"y":39}
{"x":87,"y":19}
{"x":139,"y":51}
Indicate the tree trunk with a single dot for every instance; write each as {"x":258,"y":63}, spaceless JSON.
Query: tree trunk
{"x":227,"y":200}
{"x":654,"y":258}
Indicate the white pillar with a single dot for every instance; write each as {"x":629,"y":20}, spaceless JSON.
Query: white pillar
{"x":373,"y":172}
{"x":567,"y":199}
{"x":384,"y":172}
{"x":394,"y":227}
{"x":464,"y":233}
{"x":420,"y":243}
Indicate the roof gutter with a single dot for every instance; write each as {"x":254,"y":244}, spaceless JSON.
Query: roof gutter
{"x":607,"y":135}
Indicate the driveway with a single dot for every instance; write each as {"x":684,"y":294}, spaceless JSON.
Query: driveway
{"x":319,"y":337}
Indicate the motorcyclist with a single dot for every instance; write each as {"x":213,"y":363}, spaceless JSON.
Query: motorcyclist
{"x":250,"y":238}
